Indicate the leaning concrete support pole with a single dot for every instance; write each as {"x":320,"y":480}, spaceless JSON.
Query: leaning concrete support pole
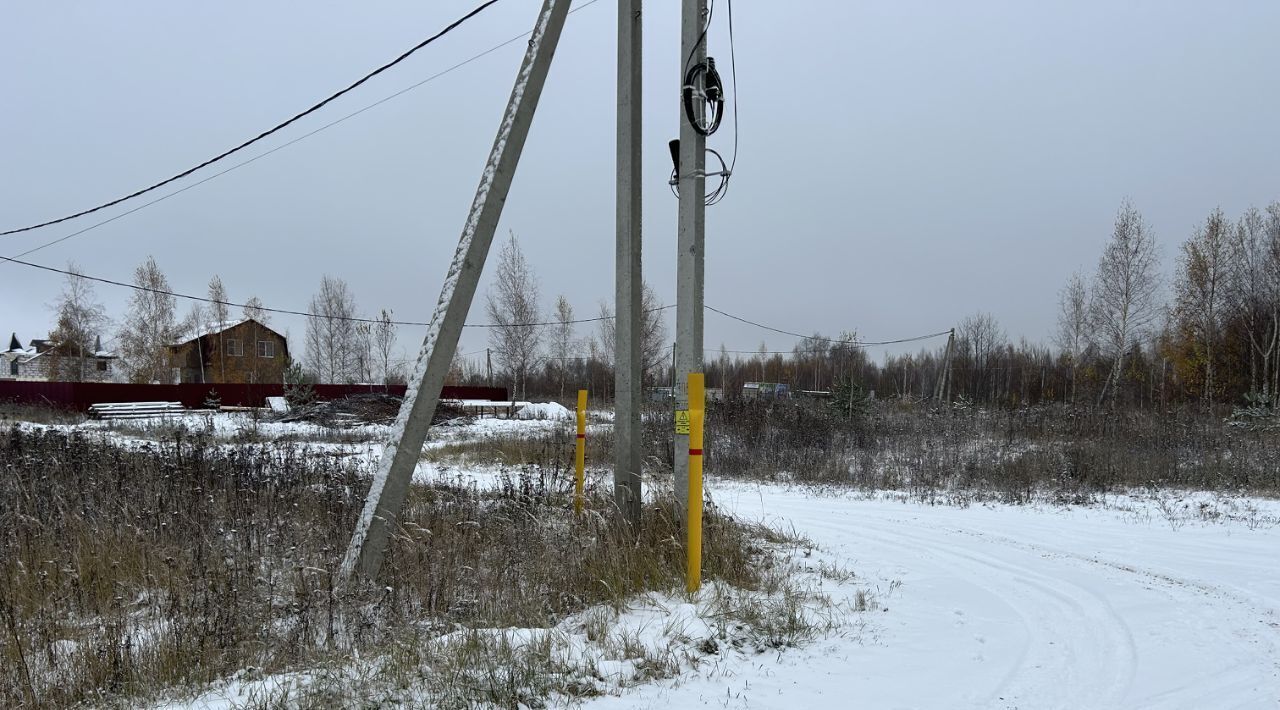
{"x":629,"y":282}
{"x":391,"y":483}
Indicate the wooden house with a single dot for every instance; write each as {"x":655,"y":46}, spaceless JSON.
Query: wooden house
{"x":243,"y":352}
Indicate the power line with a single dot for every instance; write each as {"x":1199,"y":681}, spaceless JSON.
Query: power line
{"x":299,"y":139}
{"x":289,"y":312}
{"x":794,"y":353}
{"x":316,"y":107}
{"x":357,"y":319}
{"x":554,"y":322}
{"x":859,"y":343}
{"x":723,"y":188}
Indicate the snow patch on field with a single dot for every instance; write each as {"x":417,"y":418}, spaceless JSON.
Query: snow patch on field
{"x":545,"y":410}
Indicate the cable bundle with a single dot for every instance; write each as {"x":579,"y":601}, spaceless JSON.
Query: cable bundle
{"x":702,"y":84}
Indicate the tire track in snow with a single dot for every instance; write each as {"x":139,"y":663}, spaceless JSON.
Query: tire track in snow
{"x":1221,"y":689}
{"x":1076,"y":643}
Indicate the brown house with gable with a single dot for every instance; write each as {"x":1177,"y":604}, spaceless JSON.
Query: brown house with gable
{"x":244,"y":352}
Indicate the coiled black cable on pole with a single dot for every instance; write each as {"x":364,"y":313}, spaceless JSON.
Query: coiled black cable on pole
{"x":702,"y":84}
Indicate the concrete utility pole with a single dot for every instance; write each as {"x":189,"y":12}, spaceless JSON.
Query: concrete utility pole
{"x":944,"y":371}
{"x":629,"y":281}
{"x":946,"y":393}
{"x":691,"y":180}
{"x":391,"y":483}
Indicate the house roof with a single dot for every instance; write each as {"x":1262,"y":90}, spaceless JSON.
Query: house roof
{"x":40,"y":346}
{"x":219,"y":327}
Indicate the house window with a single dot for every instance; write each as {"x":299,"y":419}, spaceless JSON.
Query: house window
{"x":233,"y":348}
{"x":13,"y":368}
{"x":266,"y":348}
{"x":102,"y":366}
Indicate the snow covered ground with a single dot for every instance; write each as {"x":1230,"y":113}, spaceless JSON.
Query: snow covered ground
{"x":1154,"y":601}
{"x":1019,"y":607}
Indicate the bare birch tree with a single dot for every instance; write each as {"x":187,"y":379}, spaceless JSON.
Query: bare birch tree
{"x":384,"y":339}
{"x":1073,"y":324}
{"x":191,"y":328}
{"x":653,"y":336}
{"x":218,"y":308}
{"x":563,"y":346}
{"x":512,"y":307}
{"x":653,"y":343}
{"x":1272,"y":231}
{"x":253,"y":309}
{"x":1253,"y":293}
{"x":149,"y":327}
{"x":1201,"y":292}
{"x":219,"y":312}
{"x":79,"y":318}
{"x":608,"y":330}
{"x":981,"y":337}
{"x":331,"y":332}
{"x":1124,"y":292}
{"x":362,"y":352}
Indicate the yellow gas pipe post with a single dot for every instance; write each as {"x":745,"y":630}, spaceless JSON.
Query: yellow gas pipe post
{"x":697,"y":410}
{"x":580,"y":454}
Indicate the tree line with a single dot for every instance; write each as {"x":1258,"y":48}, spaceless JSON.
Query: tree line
{"x":535,"y":353}
{"x":338,"y":348}
{"x":1127,"y":334}
{"x":141,"y":339}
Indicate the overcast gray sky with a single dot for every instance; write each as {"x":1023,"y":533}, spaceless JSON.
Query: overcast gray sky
{"x":902,"y":164}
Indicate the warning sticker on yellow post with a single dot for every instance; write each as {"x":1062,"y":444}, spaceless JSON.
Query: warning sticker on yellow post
{"x":682,"y":421}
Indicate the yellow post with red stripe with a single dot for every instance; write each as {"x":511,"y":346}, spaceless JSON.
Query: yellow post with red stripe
{"x":580,"y":453}
{"x":693,"y":526}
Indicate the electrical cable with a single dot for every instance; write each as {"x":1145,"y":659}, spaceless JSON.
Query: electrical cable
{"x":289,"y":312}
{"x":357,"y":319}
{"x":702,"y":82}
{"x":827,"y":340}
{"x":299,"y":139}
{"x":711,"y":10}
{"x":719,"y":193}
{"x":316,"y":107}
{"x":710,"y":198}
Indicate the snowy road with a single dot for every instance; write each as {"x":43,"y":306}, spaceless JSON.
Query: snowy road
{"x":1018,"y":607}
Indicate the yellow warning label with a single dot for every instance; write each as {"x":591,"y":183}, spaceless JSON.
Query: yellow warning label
{"x":682,"y":421}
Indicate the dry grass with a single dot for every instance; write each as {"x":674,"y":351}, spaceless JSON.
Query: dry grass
{"x":129,"y":573}
{"x":12,"y":412}
{"x":1054,"y":451}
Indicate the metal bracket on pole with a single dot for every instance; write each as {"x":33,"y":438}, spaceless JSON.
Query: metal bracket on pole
{"x":400,"y":456}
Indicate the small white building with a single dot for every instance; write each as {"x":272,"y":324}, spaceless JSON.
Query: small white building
{"x":46,"y":361}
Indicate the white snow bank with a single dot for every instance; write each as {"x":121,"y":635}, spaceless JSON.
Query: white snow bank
{"x":543,"y":410}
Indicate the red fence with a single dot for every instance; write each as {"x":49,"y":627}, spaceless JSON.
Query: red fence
{"x":79,"y":395}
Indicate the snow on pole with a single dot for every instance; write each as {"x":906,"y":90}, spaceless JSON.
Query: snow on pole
{"x":391,"y":482}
